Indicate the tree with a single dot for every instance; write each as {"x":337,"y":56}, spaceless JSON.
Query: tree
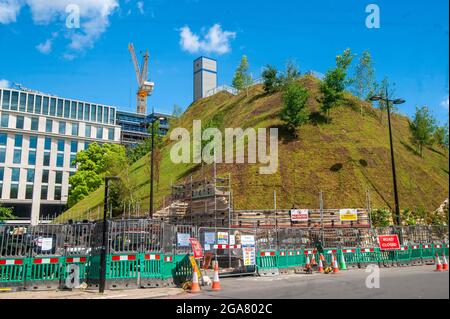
{"x":270,"y":79}
{"x":422,"y":128}
{"x":6,"y":213}
{"x":177,"y":111}
{"x":93,"y":164}
{"x":335,"y":82}
{"x":290,"y":74}
{"x":363,"y":83}
{"x":440,"y":136}
{"x":294,"y":112}
{"x":242,"y":78}
{"x":380,"y":217}
{"x":382,"y":87}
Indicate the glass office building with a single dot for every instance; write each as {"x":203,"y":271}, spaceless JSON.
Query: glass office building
{"x":39,"y":137}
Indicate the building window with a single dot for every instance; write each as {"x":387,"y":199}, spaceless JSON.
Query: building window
{"x":72,"y":161}
{"x":60,"y":160}
{"x":45,"y":105}
{"x":86,"y":145}
{"x":99,"y":132}
{"x":44,"y":192}
{"x":45,"y":176}
{"x":30,"y":175}
{"x":46,"y":159}
{"x":15,"y":174}
{"x":87,"y":131}
{"x":29,"y":191}
{"x":111,"y":116}
{"x":5,"y":120}
{"x":57,"y":192}
{"x":14,"y":191}
{"x":66,"y":108}
{"x":75,"y":129}
{"x":49,"y":126}
{"x":48,"y":144}
{"x":58,"y":177}
{"x":73,"y":146}
{"x":99,"y":113}
{"x":18,"y":141}
{"x":3,"y":139}
{"x":23,"y":102}
{"x":60,"y":145}
{"x":87,"y":109}
{"x":30,"y":103}
{"x":37,"y":107}
{"x":5,"y":103}
{"x":93,"y":113}
{"x":60,"y":108}
{"x":17,"y":157}
{"x":62,"y":127}
{"x":34,"y":123}
{"x":2,"y":174}
{"x":33,"y":142}
{"x":52,"y":106}
{"x":31,"y":157}
{"x":106,"y":115}
{"x":111,"y":134}
{"x":14,"y":100}
{"x":73,"y":110}
{"x":19,"y":122}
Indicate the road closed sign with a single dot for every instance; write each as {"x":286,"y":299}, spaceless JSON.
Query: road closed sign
{"x":196,"y":248}
{"x":388,"y":242}
{"x":299,"y":215}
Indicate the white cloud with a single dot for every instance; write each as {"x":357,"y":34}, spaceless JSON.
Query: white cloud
{"x":9,"y":10}
{"x":214,"y":41}
{"x":4,"y":84}
{"x":444,"y":103}
{"x":46,"y":46}
{"x":94,"y":18}
{"x":140,"y":6}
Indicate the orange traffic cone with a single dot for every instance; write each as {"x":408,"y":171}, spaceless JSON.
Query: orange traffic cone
{"x":335,"y":264}
{"x":445,"y":263}
{"x":307,"y":263}
{"x":438,"y":263}
{"x":320,"y":269}
{"x":313,"y":260}
{"x":195,"y":285}
{"x":216,"y":281}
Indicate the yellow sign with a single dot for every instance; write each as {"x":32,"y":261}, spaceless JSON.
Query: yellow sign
{"x":194,"y":266}
{"x":348,"y":215}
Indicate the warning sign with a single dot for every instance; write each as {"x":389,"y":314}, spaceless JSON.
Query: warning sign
{"x":222,"y":238}
{"x":196,"y":248}
{"x":348,"y":215}
{"x":248,"y":250}
{"x":299,"y":215}
{"x":388,"y":242}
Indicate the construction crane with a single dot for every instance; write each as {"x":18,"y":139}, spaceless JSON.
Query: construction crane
{"x":145,"y":87}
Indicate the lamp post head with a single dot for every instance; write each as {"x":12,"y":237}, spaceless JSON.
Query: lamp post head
{"x":375,"y":98}
{"x":399,"y":101}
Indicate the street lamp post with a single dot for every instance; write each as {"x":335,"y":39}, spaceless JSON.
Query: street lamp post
{"x":394,"y":176}
{"x":153,"y":118}
{"x":101,"y":287}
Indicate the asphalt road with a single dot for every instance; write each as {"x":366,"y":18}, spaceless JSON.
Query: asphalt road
{"x":397,"y":283}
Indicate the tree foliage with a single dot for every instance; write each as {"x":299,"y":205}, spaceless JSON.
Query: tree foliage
{"x":294,"y":112}
{"x":177,"y":111}
{"x":422,"y":128}
{"x":6,"y":213}
{"x":381,"y":217}
{"x":242,"y":78}
{"x":363,"y":82}
{"x":335,"y":82}
{"x":93,"y":164}
{"x":385,"y":85}
{"x":270,"y":79}
{"x":440,"y":136}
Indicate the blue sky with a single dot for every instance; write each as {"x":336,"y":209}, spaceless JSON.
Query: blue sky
{"x":92,"y":62}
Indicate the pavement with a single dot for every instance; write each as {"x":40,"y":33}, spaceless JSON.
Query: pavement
{"x":417,"y":282}
{"x":149,"y":293}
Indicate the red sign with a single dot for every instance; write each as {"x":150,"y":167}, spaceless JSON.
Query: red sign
{"x":388,"y":242}
{"x":196,"y":248}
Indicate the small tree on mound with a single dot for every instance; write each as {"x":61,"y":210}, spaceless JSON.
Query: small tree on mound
{"x":242,"y":78}
{"x":294,"y":112}
{"x":270,"y":79}
{"x":422,"y":128}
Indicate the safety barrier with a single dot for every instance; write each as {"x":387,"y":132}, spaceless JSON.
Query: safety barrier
{"x":147,"y":253}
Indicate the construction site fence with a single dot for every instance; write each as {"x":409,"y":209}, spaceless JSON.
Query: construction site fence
{"x":149,"y":253}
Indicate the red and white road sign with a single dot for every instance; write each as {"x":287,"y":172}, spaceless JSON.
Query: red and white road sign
{"x":388,"y":242}
{"x":196,"y":248}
